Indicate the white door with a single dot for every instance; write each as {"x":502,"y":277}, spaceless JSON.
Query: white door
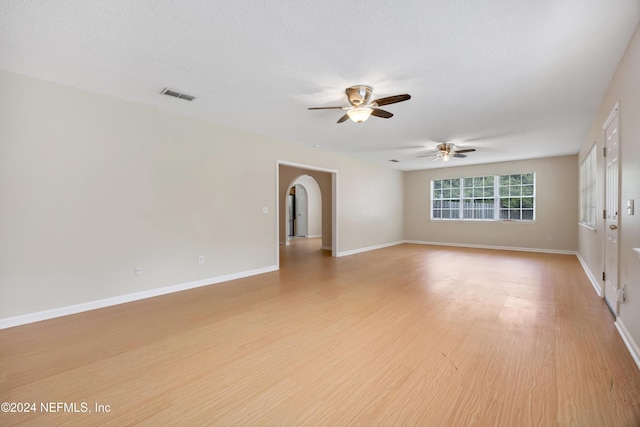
{"x":301,"y":211}
{"x":612,"y":171}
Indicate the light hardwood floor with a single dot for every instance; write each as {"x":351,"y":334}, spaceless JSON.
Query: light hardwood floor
{"x":407,"y":335}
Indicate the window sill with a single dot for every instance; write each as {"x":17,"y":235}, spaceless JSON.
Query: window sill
{"x":588,"y":227}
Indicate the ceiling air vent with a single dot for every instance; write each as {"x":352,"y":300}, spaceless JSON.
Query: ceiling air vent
{"x":177,"y":94}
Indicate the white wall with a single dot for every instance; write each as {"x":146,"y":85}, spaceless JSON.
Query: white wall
{"x":556,"y":207}
{"x":625,"y":90}
{"x":92,"y":186}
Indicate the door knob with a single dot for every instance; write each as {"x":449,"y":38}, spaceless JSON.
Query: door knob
{"x":613,"y":227}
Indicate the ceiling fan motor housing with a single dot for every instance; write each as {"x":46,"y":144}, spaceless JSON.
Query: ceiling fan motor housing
{"x":359,"y":95}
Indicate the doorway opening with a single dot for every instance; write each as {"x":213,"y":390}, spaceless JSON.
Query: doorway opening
{"x":307,"y":205}
{"x":304,"y":208}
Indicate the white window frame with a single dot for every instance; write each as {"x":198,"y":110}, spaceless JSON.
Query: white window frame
{"x":465,"y":207}
{"x":588,"y":188}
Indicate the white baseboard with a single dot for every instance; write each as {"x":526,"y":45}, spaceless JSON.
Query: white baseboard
{"x":460,"y":245}
{"x":594,"y":281}
{"x":632,"y":346}
{"x":369,"y":248}
{"x":501,"y":248}
{"x":10,"y":322}
{"x":314,"y":236}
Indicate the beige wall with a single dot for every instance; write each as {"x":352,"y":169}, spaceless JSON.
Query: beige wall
{"x":556,"y":207}
{"x":625,"y":90}
{"x":92,"y":186}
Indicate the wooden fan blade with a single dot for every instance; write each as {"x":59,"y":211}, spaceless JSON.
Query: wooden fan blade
{"x":381,"y":113}
{"x":391,"y":99}
{"x":325,"y":108}
{"x":466,"y":150}
{"x":343,"y":118}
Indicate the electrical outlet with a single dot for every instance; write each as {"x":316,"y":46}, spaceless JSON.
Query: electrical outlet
{"x":200,"y":259}
{"x":139,"y":271}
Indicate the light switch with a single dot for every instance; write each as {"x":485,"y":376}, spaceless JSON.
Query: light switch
{"x":630,"y":207}
{"x":265,"y":210}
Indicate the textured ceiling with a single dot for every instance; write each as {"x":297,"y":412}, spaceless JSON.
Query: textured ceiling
{"x":514,"y":79}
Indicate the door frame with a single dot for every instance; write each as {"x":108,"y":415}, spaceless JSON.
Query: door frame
{"x":305,"y":216}
{"x":334,"y":204}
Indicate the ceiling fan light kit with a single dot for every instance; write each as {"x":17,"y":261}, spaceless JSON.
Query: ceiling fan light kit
{"x":359,"y":114}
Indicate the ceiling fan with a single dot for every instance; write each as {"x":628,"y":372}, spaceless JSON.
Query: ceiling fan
{"x":446,"y":151}
{"x":361,"y":107}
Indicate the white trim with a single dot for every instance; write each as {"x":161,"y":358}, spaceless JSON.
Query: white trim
{"x":314,"y":236}
{"x":334,"y":214}
{"x":277,"y":218}
{"x":501,"y":248}
{"x":588,"y":227}
{"x":370,"y":248}
{"x":594,"y":281}
{"x":9,"y":322}
{"x":305,"y":166}
{"x":632,"y":346}
{"x":612,"y":115}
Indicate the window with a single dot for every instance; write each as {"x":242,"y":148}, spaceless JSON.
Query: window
{"x":446,"y":198}
{"x":479,"y":198}
{"x":588,"y":189}
{"x":491,"y":197}
{"x":516,"y":196}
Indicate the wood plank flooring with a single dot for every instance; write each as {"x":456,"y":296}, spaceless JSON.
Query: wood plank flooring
{"x":408,"y":335}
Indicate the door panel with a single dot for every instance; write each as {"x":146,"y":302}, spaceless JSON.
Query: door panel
{"x":301,"y":211}
{"x":612,"y":173}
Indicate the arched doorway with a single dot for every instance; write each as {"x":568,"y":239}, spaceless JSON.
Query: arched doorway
{"x":304,"y":208}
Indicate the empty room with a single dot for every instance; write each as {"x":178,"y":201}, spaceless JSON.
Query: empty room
{"x":267,"y":213}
